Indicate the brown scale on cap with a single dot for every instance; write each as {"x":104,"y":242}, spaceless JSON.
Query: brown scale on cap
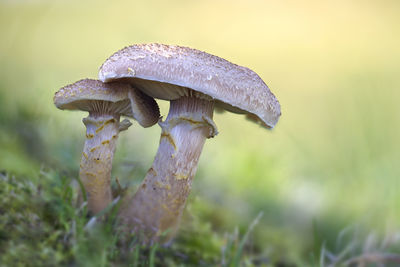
{"x":166,"y":71}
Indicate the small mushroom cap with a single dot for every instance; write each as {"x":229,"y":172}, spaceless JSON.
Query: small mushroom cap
{"x":166,"y":72}
{"x":111,"y":98}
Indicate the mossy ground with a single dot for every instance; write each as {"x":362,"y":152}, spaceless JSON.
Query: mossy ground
{"x":41,"y":224}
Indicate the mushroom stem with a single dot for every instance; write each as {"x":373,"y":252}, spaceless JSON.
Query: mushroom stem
{"x":96,"y":163}
{"x":159,"y":202}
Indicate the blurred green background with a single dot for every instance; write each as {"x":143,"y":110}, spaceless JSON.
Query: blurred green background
{"x":330,"y":163}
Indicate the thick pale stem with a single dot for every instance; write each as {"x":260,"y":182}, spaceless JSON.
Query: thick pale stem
{"x":159,"y":202}
{"x":96,"y":163}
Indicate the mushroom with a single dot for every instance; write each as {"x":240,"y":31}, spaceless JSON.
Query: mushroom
{"x":194,"y":82}
{"x":105,"y":104}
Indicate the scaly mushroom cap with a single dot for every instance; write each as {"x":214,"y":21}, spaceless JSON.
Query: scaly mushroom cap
{"x":116,"y":98}
{"x":166,"y":72}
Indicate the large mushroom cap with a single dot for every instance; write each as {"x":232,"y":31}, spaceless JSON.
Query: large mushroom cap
{"x":94,"y":95}
{"x":165,"y":72}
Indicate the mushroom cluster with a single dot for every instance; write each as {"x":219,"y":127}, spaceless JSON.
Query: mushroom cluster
{"x":195,"y":83}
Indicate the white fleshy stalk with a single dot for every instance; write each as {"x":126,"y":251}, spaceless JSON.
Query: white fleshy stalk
{"x":96,"y":163}
{"x":158,"y":204}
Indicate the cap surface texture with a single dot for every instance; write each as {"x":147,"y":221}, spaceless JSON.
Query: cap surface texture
{"x":166,"y":72}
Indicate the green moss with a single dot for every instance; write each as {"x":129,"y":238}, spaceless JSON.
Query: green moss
{"x":41,"y":224}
